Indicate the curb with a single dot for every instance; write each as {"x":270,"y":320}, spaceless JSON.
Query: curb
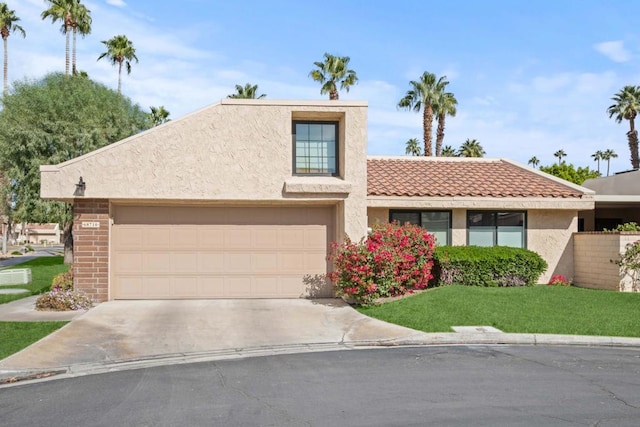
{"x":9,"y":378}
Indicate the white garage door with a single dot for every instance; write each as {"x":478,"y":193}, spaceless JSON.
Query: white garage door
{"x":204,"y":252}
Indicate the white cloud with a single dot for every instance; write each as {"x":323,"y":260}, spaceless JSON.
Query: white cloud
{"x":117,"y":3}
{"x":614,"y":50}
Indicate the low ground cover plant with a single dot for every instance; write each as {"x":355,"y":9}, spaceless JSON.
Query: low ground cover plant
{"x":62,"y":297}
{"x":487,"y":266}
{"x":559,"y":280}
{"x":393,"y":260}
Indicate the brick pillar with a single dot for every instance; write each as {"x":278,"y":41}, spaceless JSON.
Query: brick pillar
{"x":91,"y":248}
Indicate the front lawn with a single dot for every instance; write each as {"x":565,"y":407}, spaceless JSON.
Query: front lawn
{"x":42,"y":272}
{"x":536,"y":309}
{"x":14,"y":336}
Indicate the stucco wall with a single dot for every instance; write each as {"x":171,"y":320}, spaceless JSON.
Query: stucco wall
{"x":549,"y":233}
{"x":593,"y":254}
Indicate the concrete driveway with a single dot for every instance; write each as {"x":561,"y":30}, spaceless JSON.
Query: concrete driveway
{"x":117,"y":331}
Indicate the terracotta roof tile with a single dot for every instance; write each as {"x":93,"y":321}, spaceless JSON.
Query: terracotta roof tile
{"x":427,"y":177}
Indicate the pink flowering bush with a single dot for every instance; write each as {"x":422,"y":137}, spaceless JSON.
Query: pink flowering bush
{"x":559,"y":280}
{"x":393,"y":260}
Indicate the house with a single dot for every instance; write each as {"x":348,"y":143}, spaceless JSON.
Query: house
{"x":48,"y":233}
{"x":242,"y":199}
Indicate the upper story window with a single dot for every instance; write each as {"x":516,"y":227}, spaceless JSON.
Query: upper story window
{"x":496,"y":228}
{"x":315,"y":148}
{"x":437,"y":223}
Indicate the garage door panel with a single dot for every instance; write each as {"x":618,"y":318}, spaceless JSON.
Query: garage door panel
{"x":219,"y":252}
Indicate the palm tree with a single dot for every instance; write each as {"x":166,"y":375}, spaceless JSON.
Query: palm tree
{"x":120,"y":51}
{"x":608,"y":155}
{"x":81,"y":24}
{"x":62,"y":10}
{"x":334,"y":70}
{"x":448,"y":151}
{"x":534,"y":161}
{"x":423,"y":95}
{"x":247,"y":92}
{"x":560,"y":154}
{"x":597,"y":156}
{"x":8,"y":25}
{"x":626,"y":107}
{"x":159,"y":115}
{"x":444,"y":106}
{"x":413,"y":147}
{"x":471,"y":148}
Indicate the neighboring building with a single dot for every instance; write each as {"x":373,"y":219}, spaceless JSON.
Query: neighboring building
{"x":243,"y":198}
{"x":617,"y":201}
{"x":48,"y":233}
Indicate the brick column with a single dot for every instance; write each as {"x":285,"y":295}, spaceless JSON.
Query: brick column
{"x":91,"y":247}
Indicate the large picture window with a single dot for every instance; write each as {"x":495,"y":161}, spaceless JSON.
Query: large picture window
{"x":496,"y":228}
{"x":315,"y":148}
{"x":437,"y":223}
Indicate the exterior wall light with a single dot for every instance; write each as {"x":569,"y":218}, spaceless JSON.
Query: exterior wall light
{"x":80,"y":186}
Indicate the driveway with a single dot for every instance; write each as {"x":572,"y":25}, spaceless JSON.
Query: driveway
{"x":129,"y":330}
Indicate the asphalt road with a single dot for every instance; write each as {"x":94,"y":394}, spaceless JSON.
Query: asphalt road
{"x":465,"y":385}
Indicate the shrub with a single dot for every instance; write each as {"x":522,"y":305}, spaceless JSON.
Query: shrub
{"x":627,"y":226}
{"x":559,"y":280}
{"x":392,"y":260}
{"x":629,"y":263}
{"x":16,"y":253}
{"x":28,"y":248}
{"x":487,"y":266}
{"x":63,"y":281}
{"x":63,"y":300}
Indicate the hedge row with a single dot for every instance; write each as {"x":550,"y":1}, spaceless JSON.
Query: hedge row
{"x":486,"y":266}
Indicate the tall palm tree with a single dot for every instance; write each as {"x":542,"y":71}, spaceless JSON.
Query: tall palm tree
{"x":81,"y":24}
{"x":247,"y":92}
{"x":608,"y":155}
{"x":560,"y":154}
{"x":334,"y":70}
{"x":8,"y":25}
{"x":120,"y":51}
{"x":626,"y":107}
{"x":62,"y":10}
{"x":159,"y":115}
{"x":448,"y":151}
{"x":471,"y":148}
{"x":597,"y":156}
{"x":534,"y":161}
{"x":422,"y":96}
{"x":444,"y":106}
{"x":413,"y":147}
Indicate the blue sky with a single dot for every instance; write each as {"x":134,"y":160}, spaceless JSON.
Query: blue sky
{"x":531,"y":77}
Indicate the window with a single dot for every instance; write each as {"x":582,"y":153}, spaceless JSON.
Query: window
{"x":315,"y":148}
{"x":491,"y":228}
{"x":437,"y":223}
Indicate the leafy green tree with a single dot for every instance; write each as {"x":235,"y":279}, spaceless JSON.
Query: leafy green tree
{"x":569,"y":173}
{"x":597,"y":156}
{"x":413,"y":147}
{"x":448,"y":151}
{"x":471,"y":148}
{"x":423,"y":95}
{"x":52,"y":120}
{"x":626,"y":107}
{"x":120,"y":51}
{"x":332,"y":71}
{"x":159,"y":115}
{"x":608,"y":155}
{"x":560,"y":154}
{"x":248,"y":91}
{"x":444,"y":106}
{"x":534,"y":161}
{"x":8,"y":25}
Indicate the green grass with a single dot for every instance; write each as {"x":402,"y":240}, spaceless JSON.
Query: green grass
{"x":42,"y":272}
{"x":537,"y":309}
{"x":14,"y":336}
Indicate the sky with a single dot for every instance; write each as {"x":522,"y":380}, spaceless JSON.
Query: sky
{"x":530,"y":77}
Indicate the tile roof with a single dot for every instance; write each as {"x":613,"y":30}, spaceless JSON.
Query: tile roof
{"x":431,"y":177}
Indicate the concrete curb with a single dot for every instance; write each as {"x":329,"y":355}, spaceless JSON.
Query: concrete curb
{"x":9,"y":378}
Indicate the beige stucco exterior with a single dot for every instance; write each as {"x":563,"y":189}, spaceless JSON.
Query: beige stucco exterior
{"x":549,"y":232}
{"x":236,"y":151}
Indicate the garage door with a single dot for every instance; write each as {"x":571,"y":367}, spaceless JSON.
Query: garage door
{"x":203,"y":252}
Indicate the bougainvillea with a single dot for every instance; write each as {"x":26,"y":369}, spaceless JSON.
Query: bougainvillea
{"x":392,"y":260}
{"x":559,"y":280}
